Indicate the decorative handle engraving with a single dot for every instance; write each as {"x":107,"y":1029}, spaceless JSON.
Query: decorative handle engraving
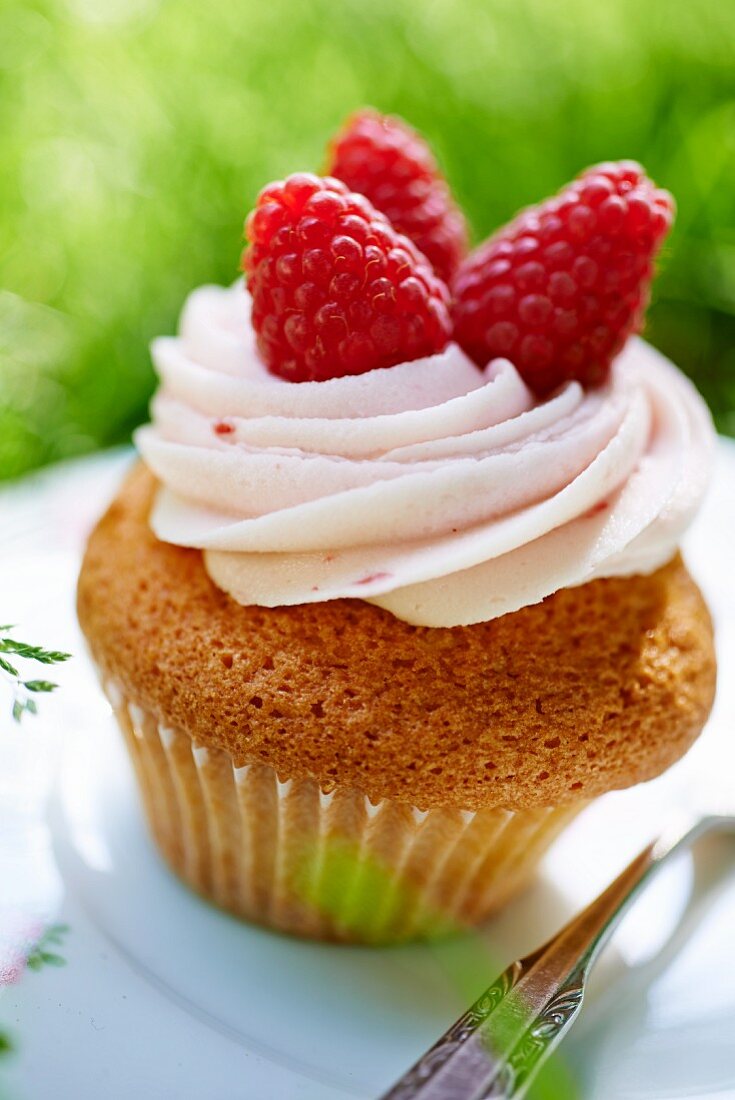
{"x":452,"y":1071}
{"x":445,"y":1048}
{"x":538,"y":1042}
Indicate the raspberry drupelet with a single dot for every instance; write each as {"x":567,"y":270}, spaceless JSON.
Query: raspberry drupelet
{"x":336,"y":290}
{"x":559,"y":290}
{"x":382,"y":158}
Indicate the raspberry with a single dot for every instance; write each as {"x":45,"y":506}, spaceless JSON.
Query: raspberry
{"x":561,"y":287}
{"x":336,"y":290}
{"x":388,"y":162}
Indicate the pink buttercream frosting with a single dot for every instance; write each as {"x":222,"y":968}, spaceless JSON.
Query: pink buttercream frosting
{"x":445,"y":494}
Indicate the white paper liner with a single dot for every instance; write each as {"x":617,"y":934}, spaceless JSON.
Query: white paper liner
{"x":326,"y":865}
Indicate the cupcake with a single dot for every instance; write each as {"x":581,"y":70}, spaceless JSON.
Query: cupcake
{"x":394,"y":590}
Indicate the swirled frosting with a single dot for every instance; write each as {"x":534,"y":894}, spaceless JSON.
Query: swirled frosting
{"x":445,"y":494}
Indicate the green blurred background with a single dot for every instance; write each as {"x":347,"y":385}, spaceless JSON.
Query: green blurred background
{"x":134,"y":135}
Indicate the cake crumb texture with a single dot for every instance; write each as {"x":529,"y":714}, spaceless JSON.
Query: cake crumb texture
{"x":596,"y":688}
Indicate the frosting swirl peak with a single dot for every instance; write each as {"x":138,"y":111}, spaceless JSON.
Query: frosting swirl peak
{"x":445,"y":494}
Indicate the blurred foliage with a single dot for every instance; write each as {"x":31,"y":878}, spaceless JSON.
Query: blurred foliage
{"x":136,"y":133}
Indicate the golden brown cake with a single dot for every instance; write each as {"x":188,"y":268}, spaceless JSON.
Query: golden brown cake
{"x":448,"y":746}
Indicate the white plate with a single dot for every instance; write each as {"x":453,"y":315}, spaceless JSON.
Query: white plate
{"x":163,"y":996}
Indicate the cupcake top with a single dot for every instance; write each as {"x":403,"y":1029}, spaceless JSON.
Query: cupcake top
{"x":443,"y":493}
{"x":352,"y":427}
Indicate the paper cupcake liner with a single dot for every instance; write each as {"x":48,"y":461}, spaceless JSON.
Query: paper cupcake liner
{"x":330,"y":865}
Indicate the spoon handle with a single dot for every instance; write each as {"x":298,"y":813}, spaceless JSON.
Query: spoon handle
{"x":495,"y":1049}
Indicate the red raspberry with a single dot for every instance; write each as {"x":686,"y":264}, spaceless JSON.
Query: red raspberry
{"x":336,"y":290}
{"x":388,"y":162}
{"x":559,"y":290}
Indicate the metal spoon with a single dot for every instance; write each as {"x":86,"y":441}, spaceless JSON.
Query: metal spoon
{"x":497,"y":1047}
